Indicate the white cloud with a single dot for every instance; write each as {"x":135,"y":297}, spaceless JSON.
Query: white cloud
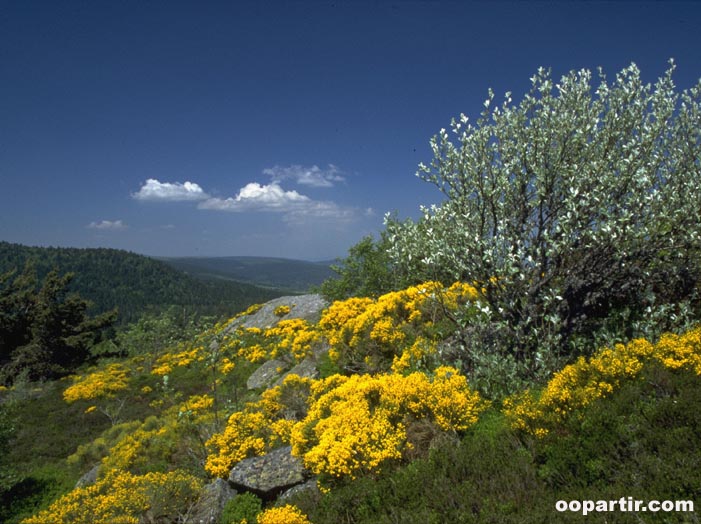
{"x":312,"y":176}
{"x":167,"y":191}
{"x":115,"y":225}
{"x":296,"y":208}
{"x":257,"y":197}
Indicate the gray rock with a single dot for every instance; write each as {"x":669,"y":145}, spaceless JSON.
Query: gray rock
{"x":309,"y":486}
{"x":306,"y":307}
{"x":269,"y":475}
{"x":266,"y":374}
{"x":210,"y":505}
{"x":305,"y":369}
{"x":89,"y":478}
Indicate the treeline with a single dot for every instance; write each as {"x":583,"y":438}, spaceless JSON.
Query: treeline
{"x":110,"y":278}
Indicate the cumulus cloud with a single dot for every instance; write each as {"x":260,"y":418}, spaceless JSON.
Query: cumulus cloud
{"x":312,"y":176}
{"x":115,"y":225}
{"x":257,"y":197}
{"x":170,"y":191}
{"x":295,"y":207}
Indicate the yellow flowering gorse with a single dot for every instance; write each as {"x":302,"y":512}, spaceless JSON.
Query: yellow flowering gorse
{"x":286,"y":514}
{"x":357,"y":423}
{"x":123,"y":498}
{"x":587,"y":380}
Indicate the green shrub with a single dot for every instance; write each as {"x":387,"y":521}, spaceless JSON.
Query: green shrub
{"x":243,"y":507}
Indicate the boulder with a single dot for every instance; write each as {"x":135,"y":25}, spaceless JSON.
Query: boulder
{"x":266,"y":374}
{"x":305,"y":369}
{"x":306,"y":307}
{"x":210,"y":505}
{"x":269,"y":475}
{"x":309,"y":487}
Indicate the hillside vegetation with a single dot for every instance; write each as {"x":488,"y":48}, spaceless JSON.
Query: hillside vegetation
{"x":132,"y":283}
{"x":533,"y":340}
{"x":297,"y":276}
{"x":404,"y":438}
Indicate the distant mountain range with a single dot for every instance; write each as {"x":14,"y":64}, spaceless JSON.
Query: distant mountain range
{"x":135,"y":283}
{"x":296,"y":276}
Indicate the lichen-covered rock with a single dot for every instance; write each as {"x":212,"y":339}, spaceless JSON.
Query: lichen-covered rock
{"x":267,"y":374}
{"x":213,"y":498}
{"x":306,"y":307}
{"x":269,"y":475}
{"x":309,"y":486}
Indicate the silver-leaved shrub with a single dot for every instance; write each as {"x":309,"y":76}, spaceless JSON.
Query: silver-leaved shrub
{"x":577,"y":211}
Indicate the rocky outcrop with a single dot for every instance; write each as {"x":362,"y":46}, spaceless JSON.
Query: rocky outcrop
{"x":308,"y":487}
{"x":89,"y":478}
{"x":306,"y":307}
{"x":213,"y":498}
{"x":266,"y":374}
{"x":273,"y":372}
{"x":305,"y":369}
{"x":269,"y":475}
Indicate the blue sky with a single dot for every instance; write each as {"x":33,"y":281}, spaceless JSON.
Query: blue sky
{"x":272,"y":128}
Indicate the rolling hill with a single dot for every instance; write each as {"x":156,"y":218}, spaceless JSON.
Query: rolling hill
{"x":296,"y":276}
{"x":133,"y":283}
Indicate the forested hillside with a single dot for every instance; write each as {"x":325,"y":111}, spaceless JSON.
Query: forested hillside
{"x":132,"y":283}
{"x":282,"y":273}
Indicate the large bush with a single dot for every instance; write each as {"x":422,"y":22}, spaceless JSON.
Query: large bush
{"x":576,"y":210}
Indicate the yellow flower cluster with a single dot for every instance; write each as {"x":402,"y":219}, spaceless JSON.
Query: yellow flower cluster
{"x":378,"y":332}
{"x":136,"y":451}
{"x":587,"y":380}
{"x":287,"y":514}
{"x":357,"y":423}
{"x":258,"y":428}
{"x":243,"y":437}
{"x":281,"y":311}
{"x":123,"y":498}
{"x":294,"y":337}
{"x":197,"y":405}
{"x":169,"y":361}
{"x":680,"y":351}
{"x":105,"y":383}
{"x":412,"y":356}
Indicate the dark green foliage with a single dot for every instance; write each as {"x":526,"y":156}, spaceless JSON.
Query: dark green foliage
{"x":367,"y":271}
{"x":44,"y":332}
{"x":34,"y":492}
{"x":154,"y":333}
{"x":133,"y":283}
{"x":645,"y":438}
{"x":8,"y":473}
{"x":17,"y":294}
{"x":244,"y":506}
